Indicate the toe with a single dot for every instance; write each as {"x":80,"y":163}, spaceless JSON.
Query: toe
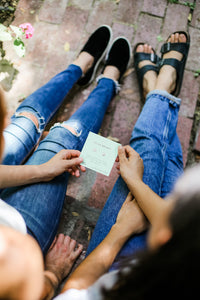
{"x":176,"y":37}
{"x":171,"y":39}
{"x":140,"y":48}
{"x":145,"y":48}
{"x":150,"y":50}
{"x":182,"y":38}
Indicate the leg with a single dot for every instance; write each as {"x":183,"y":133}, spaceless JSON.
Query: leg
{"x":69,"y":135}
{"x":154,"y":138}
{"x":151,"y":137}
{"x":33,"y":114}
{"x":173,"y":168}
{"x":41,"y":204}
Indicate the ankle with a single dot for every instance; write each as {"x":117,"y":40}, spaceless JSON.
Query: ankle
{"x":166,"y":80}
{"x":112,"y":73}
{"x":84,"y":61}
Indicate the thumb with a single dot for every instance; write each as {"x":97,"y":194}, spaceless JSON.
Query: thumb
{"x":74,"y":161}
{"x":121,"y":154}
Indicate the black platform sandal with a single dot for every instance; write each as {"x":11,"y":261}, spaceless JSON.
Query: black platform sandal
{"x":179,"y":65}
{"x":140,"y":56}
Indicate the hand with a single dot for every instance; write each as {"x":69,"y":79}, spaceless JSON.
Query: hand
{"x":63,"y":161}
{"x":61,"y":256}
{"x":130,"y":164}
{"x":131,"y":219}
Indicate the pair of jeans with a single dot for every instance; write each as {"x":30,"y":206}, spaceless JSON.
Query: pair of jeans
{"x":41,"y":204}
{"x":154,"y":137}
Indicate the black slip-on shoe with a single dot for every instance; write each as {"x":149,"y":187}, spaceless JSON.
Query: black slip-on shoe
{"x":119,"y":55}
{"x":97,"y":46}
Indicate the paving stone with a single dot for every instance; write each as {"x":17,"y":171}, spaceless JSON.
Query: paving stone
{"x":22,"y":88}
{"x":148,"y":28}
{"x":155,"y":7}
{"x":27,"y":11}
{"x":57,"y":63}
{"x":86,"y":5}
{"x":72,"y":28}
{"x":196,"y":15}
{"x":184,"y":128}
{"x":197,"y":141}
{"x":194,"y":54}
{"x":120,"y":29}
{"x":124,"y":118}
{"x":99,"y":15}
{"x":129,"y":88}
{"x":102,"y":189}
{"x":53,"y":11}
{"x":189,"y":94}
{"x":176,"y":19}
{"x":128,"y":11}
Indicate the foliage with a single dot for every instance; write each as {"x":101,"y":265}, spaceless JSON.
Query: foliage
{"x":15,"y":35}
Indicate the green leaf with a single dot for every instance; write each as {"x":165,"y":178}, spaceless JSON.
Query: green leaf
{"x":17,"y":42}
{"x":159,"y":38}
{"x":4,"y":34}
{"x":18,"y":31}
{"x":19,"y":47}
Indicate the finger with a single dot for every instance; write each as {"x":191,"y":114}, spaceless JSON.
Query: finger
{"x":78,"y":250}
{"x":74,"y":162}
{"x":82,"y":168}
{"x":130,"y":151}
{"x":67,"y":240}
{"x":121,"y":154}
{"x":60,"y":238}
{"x":74,"y":153}
{"x":72,"y":245}
{"x":53,"y":243}
{"x":77,"y":173}
{"x":68,"y":154}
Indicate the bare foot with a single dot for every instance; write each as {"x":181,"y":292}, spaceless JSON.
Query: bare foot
{"x":62,"y":255}
{"x":167,"y":76}
{"x":150,"y":77}
{"x":84,"y":61}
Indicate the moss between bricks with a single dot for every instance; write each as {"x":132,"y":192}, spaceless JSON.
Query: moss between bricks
{"x":7,"y":10}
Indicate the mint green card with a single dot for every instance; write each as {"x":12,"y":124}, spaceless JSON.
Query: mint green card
{"x":99,"y":153}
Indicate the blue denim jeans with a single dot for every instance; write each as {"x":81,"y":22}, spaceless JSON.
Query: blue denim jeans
{"x":154,"y":137}
{"x":41,"y":204}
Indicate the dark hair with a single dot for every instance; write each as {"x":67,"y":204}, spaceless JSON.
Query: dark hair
{"x":172,"y":272}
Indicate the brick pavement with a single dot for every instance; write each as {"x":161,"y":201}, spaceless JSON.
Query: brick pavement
{"x":58,"y":22}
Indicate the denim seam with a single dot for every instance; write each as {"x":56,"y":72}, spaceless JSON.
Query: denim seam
{"x":17,"y":137}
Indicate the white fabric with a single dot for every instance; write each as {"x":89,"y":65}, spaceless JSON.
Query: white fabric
{"x":93,"y":292}
{"x":10,"y":217}
{"x":73,"y":294}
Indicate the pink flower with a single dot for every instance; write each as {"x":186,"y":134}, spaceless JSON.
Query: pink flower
{"x":27,"y":29}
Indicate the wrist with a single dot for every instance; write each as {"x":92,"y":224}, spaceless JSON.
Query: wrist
{"x":119,"y":235}
{"x":132,"y":182}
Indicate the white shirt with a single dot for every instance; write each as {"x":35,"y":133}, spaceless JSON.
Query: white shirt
{"x":94,"y":292}
{"x":10,"y":217}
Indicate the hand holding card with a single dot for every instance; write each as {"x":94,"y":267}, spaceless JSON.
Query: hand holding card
{"x":99,"y":153}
